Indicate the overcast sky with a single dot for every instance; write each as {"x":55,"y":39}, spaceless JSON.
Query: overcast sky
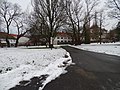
{"x":25,"y":4}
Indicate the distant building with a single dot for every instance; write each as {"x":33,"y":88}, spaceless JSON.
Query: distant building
{"x":3,"y":36}
{"x":62,"y":38}
{"x":12,"y":39}
{"x":95,"y":34}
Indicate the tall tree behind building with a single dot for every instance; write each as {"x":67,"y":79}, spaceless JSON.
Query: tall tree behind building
{"x":114,"y":6}
{"x":74,"y":9}
{"x":89,"y":7}
{"x":118,"y":31}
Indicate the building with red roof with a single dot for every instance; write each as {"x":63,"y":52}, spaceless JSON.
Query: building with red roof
{"x":12,"y":39}
{"x":63,"y":38}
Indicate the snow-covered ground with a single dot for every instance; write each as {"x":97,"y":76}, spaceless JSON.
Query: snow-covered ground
{"x":17,"y":64}
{"x":108,"y":48}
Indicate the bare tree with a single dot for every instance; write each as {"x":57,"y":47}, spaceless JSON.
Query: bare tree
{"x":8,"y":12}
{"x":38,"y":30}
{"x":79,"y":14}
{"x":94,"y":29}
{"x":0,"y":24}
{"x":52,"y":15}
{"x":21,"y":25}
{"x":74,"y":12}
{"x":118,"y":31}
{"x":0,"y":19}
{"x":115,"y":8}
{"x":101,"y":21}
{"x":89,"y":7}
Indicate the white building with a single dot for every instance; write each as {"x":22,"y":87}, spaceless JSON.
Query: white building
{"x":62,"y":38}
{"x":23,"y":40}
{"x":3,"y":36}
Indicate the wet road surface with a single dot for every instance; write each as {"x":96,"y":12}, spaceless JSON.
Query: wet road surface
{"x":92,"y":71}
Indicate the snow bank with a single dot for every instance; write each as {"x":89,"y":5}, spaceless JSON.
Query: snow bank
{"x":108,"y":48}
{"x":22,"y":64}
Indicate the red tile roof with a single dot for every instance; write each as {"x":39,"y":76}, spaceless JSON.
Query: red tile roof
{"x":63,"y":34}
{"x":4,"y":35}
{"x":14,"y":35}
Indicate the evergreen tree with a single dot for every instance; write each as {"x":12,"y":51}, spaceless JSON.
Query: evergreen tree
{"x":118,"y":31}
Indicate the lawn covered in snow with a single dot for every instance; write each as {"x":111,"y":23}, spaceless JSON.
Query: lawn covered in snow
{"x":17,"y":64}
{"x":108,"y":48}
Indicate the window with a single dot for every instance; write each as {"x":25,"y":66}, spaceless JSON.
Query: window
{"x":58,"y":37}
{"x":65,"y":37}
{"x":61,"y":37}
{"x":69,"y":38}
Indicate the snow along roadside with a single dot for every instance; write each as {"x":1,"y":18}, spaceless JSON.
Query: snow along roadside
{"x":55,"y":69}
{"x":109,"y":48}
{"x":26,"y":72}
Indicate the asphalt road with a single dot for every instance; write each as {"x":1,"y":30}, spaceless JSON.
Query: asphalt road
{"x":92,"y":71}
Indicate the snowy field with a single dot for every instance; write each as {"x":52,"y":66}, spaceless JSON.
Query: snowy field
{"x":108,"y":48}
{"x":17,"y":64}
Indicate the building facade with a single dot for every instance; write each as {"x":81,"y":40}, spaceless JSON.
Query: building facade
{"x":62,"y":38}
{"x":3,"y":36}
{"x":95,"y":34}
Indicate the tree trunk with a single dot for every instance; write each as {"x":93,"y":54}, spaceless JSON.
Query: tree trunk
{"x":100,"y":38}
{"x":16,"y":43}
{"x":79,"y":36}
{"x":100,"y":33}
{"x":8,"y":43}
{"x":79,"y":39}
{"x":86,"y":34}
